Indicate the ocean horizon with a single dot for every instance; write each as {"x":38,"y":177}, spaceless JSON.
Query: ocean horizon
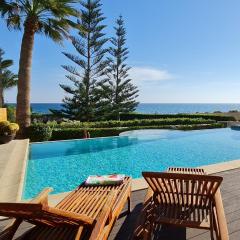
{"x":164,"y":108}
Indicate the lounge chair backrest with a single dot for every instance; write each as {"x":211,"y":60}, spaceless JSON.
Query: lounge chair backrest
{"x":38,"y":214}
{"x":38,"y":211}
{"x":183,"y":189}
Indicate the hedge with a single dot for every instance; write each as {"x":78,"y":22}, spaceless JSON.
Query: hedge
{"x":132,"y":123}
{"x":216,"y":117}
{"x":201,"y":126}
{"x":39,"y":132}
{"x":44,"y":118}
{"x":74,"y":133}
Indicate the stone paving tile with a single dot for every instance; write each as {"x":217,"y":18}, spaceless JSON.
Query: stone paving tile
{"x":12,"y":168}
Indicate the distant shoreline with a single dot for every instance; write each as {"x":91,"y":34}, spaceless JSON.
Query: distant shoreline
{"x":144,"y":103}
{"x":162,"y":108}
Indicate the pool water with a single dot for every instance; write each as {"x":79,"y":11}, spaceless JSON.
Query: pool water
{"x":63,"y":165}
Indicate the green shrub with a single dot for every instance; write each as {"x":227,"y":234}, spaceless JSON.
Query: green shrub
{"x":132,"y":123}
{"x":77,"y":133}
{"x":201,"y":126}
{"x":67,"y":133}
{"x":39,"y":132}
{"x":7,"y":128}
{"x":216,"y":117}
{"x":4,"y":124}
{"x":73,"y":133}
{"x":12,"y":128}
{"x":105,"y":132}
{"x":11,"y":113}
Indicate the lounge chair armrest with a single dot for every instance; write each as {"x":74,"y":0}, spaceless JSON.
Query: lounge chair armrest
{"x":149,"y":194}
{"x":42,"y":196}
{"x":74,"y":216}
{"x":104,"y":216}
{"x":220,"y":216}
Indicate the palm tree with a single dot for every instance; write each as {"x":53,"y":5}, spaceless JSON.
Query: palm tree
{"x":4,"y":64}
{"x":48,"y":17}
{"x":9,"y":80}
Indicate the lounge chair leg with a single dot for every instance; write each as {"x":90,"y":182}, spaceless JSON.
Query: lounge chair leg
{"x":212,"y":228}
{"x":79,"y":232}
{"x":129,"y":205}
{"x":11,"y":229}
{"x":216,"y":228}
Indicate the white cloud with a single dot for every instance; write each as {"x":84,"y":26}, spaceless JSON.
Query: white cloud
{"x":149,"y":74}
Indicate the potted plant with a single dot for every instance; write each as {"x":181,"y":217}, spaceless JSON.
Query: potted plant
{"x":7,"y":131}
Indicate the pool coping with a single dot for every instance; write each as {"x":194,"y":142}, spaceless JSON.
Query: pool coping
{"x":13,"y":169}
{"x":140,"y":184}
{"x":23,"y":175}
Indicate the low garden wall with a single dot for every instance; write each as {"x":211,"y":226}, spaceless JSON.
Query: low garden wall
{"x":3,"y":114}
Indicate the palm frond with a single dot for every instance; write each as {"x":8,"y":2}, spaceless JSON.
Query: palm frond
{"x":50,"y":17}
{"x":6,"y":63}
{"x":9,"y":79}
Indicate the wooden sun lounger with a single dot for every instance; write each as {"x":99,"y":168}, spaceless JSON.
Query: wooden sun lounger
{"x":221,"y":227}
{"x":184,"y":197}
{"x":88,"y":212}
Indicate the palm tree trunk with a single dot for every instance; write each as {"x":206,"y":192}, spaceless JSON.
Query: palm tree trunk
{"x":3,"y":102}
{"x":23,"y":114}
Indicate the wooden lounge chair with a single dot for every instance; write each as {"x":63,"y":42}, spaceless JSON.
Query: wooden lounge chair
{"x":221,"y":226}
{"x":88,"y":212}
{"x":181,"y":198}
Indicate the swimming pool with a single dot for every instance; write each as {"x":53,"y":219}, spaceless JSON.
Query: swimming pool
{"x":64,"y":164}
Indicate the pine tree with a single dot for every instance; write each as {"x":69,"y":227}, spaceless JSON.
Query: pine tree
{"x":123,"y":92}
{"x":84,"y":102}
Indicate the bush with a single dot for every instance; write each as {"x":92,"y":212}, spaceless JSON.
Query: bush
{"x":4,"y":124}
{"x":40,"y":132}
{"x":105,"y":132}
{"x":12,"y":128}
{"x":67,"y":133}
{"x":201,"y":126}
{"x":73,"y":133}
{"x":7,"y":128}
{"x":216,"y":117}
{"x":77,"y":133}
{"x":132,"y":123}
{"x":11,"y":113}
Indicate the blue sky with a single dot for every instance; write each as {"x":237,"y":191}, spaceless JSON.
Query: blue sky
{"x":180,"y":51}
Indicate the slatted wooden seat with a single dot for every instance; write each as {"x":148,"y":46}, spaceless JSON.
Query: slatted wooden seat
{"x":221,"y":222}
{"x":185,"y":170}
{"x":86,"y":213}
{"x":182,"y":197}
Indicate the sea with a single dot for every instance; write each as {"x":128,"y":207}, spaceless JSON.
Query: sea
{"x":164,"y":108}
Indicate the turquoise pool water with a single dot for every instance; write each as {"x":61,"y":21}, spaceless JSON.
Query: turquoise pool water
{"x":65,"y":164}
